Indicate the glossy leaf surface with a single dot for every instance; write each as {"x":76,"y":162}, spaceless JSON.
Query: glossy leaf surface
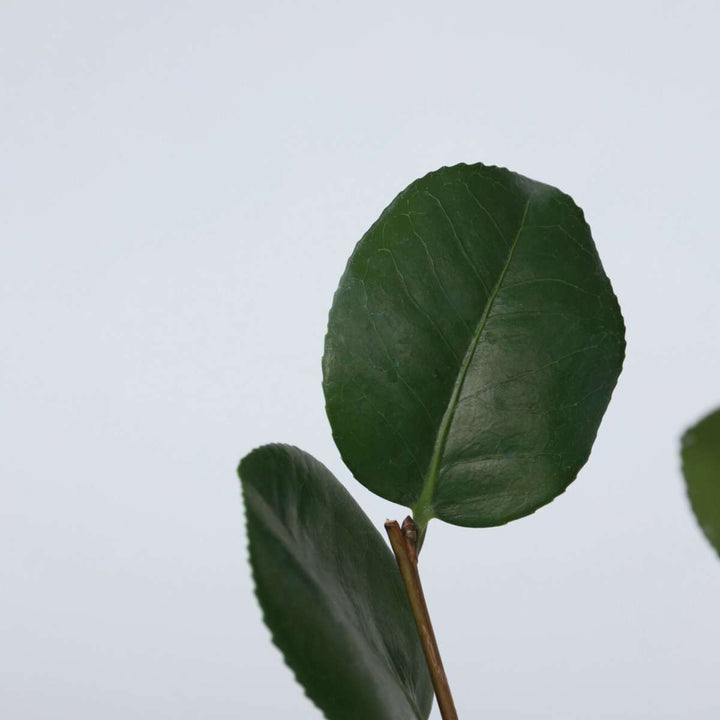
{"x":701,"y":467}
{"x":330,"y":591}
{"x":472,"y":347}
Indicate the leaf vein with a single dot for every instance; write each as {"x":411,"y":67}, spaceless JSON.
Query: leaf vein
{"x":463,"y":249}
{"x":423,"y":508}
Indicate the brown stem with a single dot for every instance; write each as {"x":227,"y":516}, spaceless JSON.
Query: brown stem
{"x":404,"y":545}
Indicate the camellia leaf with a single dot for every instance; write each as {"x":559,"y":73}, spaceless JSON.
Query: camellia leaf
{"x":701,"y":467}
{"x":472,"y":347}
{"x":330,"y":591}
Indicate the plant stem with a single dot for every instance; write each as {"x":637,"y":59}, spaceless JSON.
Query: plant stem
{"x":404,"y":544}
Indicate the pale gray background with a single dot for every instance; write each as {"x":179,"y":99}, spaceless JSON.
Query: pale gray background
{"x":182,"y":184}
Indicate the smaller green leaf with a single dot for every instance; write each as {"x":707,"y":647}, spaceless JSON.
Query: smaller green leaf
{"x":701,"y":467}
{"x":330,"y":591}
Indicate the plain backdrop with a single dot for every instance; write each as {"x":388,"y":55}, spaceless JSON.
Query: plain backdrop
{"x":181,"y":184}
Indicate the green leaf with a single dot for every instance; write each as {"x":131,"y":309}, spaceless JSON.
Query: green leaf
{"x":330,"y":591}
{"x":472,"y":347}
{"x":701,"y":467}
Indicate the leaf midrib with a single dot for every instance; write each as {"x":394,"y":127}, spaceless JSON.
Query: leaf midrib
{"x":423,"y":509}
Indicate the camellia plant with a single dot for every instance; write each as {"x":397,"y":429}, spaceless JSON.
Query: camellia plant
{"x":472,"y":348}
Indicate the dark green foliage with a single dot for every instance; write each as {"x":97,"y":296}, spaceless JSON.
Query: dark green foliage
{"x":330,"y":591}
{"x":472,"y":348}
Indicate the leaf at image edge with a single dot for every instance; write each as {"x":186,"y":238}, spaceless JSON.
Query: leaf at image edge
{"x":701,"y":468}
{"x":330,"y":591}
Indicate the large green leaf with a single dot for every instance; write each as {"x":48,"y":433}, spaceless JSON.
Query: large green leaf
{"x":330,"y":591}
{"x":472,"y":347}
{"x":701,"y":467}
